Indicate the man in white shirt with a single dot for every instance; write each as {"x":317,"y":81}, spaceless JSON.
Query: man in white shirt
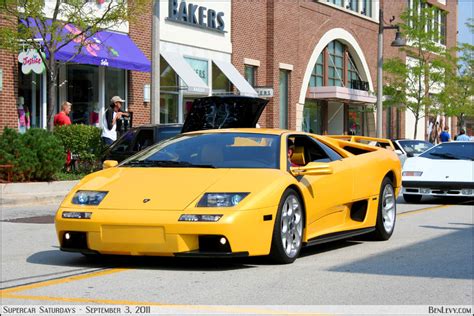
{"x":109,"y":121}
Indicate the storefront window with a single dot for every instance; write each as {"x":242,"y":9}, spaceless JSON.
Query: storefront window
{"x":336,"y":64}
{"x":250,"y":75}
{"x":200,"y":66}
{"x":317,"y":76}
{"x":169,"y":96}
{"x":220,"y":83}
{"x":357,"y":120}
{"x":29,"y":96}
{"x":312,"y":117}
{"x":83,"y":92}
{"x":114,"y":84}
{"x":352,"y":74}
{"x":284,"y":83}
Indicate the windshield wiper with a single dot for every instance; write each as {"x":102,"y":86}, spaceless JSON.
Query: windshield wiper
{"x":445,"y":155}
{"x":165,"y":164}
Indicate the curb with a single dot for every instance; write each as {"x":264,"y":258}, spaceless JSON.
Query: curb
{"x":14,"y":194}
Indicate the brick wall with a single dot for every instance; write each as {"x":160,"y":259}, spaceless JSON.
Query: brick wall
{"x":275,"y":32}
{"x":140,"y":32}
{"x":285,"y":31}
{"x":8,"y":95}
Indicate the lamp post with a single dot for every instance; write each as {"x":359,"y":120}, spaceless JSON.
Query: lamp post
{"x":398,"y":42}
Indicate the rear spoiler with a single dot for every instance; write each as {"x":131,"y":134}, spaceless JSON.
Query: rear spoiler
{"x":366,"y":140}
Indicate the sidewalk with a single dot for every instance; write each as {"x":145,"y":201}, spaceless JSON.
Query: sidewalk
{"x":16,"y":194}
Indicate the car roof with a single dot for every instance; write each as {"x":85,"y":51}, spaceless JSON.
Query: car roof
{"x":271,"y":131}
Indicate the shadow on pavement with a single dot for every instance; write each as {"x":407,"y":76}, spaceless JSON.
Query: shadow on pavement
{"x":446,"y":256}
{"x":67,"y":259}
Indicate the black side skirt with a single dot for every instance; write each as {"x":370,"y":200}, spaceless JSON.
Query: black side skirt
{"x":210,"y":254}
{"x":339,"y":235}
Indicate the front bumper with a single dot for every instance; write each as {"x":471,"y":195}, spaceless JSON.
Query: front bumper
{"x":158,"y":233}
{"x":435,"y":188}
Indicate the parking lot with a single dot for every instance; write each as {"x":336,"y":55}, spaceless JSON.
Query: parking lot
{"x":428,"y":261}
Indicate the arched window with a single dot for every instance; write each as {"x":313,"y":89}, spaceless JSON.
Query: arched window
{"x":336,"y":67}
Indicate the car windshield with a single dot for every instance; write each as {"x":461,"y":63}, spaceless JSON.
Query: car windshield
{"x":214,"y":150}
{"x":452,"y":150}
{"x":415,"y":147}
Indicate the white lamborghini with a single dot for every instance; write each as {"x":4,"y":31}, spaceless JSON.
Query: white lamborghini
{"x":443,"y":170}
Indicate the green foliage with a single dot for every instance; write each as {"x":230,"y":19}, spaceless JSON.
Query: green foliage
{"x":84,"y":142}
{"x":457,"y":99}
{"x":36,"y":155}
{"x":412,"y":83}
{"x":48,"y":151}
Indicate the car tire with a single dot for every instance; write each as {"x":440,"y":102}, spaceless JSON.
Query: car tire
{"x":412,"y":198}
{"x":287,"y":236}
{"x":386,"y":212}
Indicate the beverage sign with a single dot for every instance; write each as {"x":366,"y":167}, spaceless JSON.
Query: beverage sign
{"x":31,"y":60}
{"x":195,"y":15}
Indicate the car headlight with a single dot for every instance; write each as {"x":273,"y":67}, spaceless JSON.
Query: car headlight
{"x":88,"y":197}
{"x":221,"y":199}
{"x":412,"y":173}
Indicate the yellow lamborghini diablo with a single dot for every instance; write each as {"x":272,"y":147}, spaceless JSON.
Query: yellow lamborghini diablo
{"x":233,"y":192}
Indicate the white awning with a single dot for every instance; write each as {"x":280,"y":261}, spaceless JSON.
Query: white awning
{"x":236,"y":78}
{"x":185,"y":72}
{"x":330,"y":93}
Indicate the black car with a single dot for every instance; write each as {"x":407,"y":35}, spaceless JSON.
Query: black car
{"x":139,"y":138}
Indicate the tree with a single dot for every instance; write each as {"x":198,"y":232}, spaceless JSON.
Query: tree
{"x":411,"y":83}
{"x":458,"y":97}
{"x":39,"y":24}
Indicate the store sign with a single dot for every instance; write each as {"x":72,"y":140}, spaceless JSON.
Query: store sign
{"x":31,"y":61}
{"x":200,"y":67}
{"x":195,"y":15}
{"x":264,"y":92}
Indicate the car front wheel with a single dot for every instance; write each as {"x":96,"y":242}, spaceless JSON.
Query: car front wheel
{"x":288,"y":229}
{"x":387,"y":211}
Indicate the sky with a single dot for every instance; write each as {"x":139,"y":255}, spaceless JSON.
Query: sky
{"x":465,"y":11}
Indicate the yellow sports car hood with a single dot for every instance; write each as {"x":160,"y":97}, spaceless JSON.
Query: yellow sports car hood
{"x":173,"y":188}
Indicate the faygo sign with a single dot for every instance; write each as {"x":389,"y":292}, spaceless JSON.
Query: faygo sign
{"x":31,"y":60}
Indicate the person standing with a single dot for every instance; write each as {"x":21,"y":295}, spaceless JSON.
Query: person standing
{"x":462,"y":137}
{"x":109,"y":121}
{"x":444,"y":135}
{"x":62,"y":118}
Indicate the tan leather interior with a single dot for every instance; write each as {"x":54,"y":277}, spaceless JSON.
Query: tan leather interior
{"x":298,"y":156}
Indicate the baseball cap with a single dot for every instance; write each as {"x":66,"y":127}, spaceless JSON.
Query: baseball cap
{"x":117,"y":99}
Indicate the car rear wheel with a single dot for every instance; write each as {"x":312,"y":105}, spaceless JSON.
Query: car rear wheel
{"x":412,"y":198}
{"x":288,"y":229}
{"x":387,"y":211}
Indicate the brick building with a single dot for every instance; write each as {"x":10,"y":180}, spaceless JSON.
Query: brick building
{"x":320,"y":58}
{"x":314,"y":59}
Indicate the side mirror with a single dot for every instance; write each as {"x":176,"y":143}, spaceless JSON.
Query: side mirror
{"x":109,"y":164}
{"x":313,"y":169}
{"x":410,"y":154}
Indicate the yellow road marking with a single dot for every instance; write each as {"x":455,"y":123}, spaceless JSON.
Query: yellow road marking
{"x":207,"y":308}
{"x":421,"y":210}
{"x":60,"y":281}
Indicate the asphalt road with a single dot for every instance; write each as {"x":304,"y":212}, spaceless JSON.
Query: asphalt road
{"x":428,"y":261}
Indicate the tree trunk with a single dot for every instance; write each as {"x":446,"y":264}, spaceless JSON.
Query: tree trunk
{"x":52,"y":92}
{"x":416,"y":126}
